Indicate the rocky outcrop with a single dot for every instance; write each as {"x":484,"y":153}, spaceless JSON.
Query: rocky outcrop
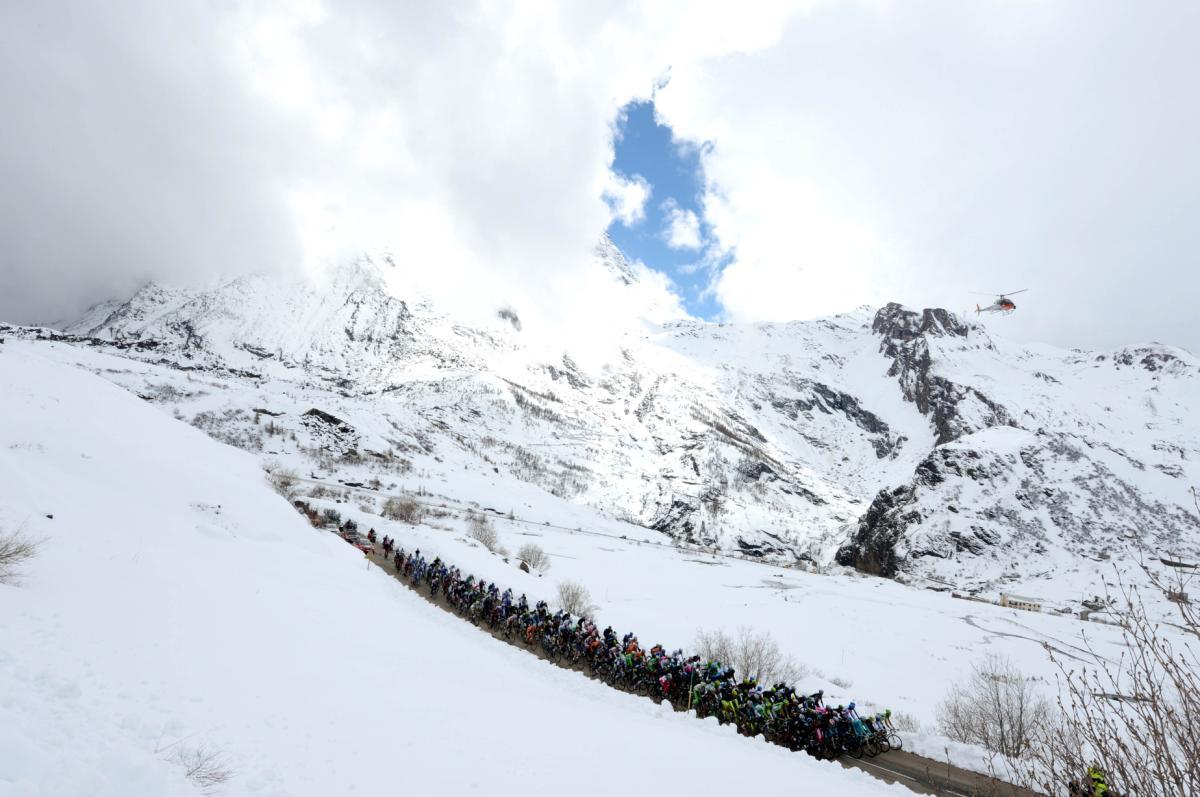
{"x":1001,"y":499}
{"x":872,"y":548}
{"x":883,"y":545}
{"x":905,"y":339}
{"x":1154,"y":358}
{"x":819,"y":397}
{"x":678,"y":519}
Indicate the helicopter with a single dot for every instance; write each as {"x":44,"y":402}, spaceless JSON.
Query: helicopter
{"x":1003,"y":304}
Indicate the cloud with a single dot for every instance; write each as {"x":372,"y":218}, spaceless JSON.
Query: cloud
{"x":125,"y":154}
{"x":627,"y":197}
{"x":472,"y":140}
{"x":920,"y":151}
{"x":852,"y":152}
{"x":682,"y":229}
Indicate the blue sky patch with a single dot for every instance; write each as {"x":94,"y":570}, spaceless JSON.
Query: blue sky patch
{"x":647,"y":149}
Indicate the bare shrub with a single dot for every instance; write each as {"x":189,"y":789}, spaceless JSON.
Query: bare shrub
{"x":403,"y":510}
{"x":996,"y":707}
{"x":715,"y":646}
{"x":15,"y":550}
{"x":841,"y":683}
{"x":1138,"y":718}
{"x":752,"y":654}
{"x":758,"y":656}
{"x":203,"y":765}
{"x":906,"y":722}
{"x":283,"y":482}
{"x":481,"y":530}
{"x":575,"y":599}
{"x":534,"y":556}
{"x":320,"y":491}
{"x":233,"y":427}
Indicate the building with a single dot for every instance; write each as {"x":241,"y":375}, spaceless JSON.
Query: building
{"x":1017,"y":602}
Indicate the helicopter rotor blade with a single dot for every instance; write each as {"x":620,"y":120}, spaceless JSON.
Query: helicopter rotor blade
{"x":980,"y":293}
{"x":1014,"y":293}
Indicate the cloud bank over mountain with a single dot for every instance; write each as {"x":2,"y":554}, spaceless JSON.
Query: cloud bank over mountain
{"x":852,"y":152}
{"x":473,"y":140}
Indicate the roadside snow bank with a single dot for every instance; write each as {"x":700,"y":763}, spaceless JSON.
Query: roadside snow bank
{"x":964,"y":756}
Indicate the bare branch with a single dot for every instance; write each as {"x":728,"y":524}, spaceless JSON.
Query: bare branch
{"x":203,"y":765}
{"x":482,"y":531}
{"x":16,"y":549}
{"x":575,"y":599}
{"x":534,"y":556}
{"x":1136,"y":720}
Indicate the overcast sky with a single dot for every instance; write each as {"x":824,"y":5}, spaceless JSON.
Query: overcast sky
{"x":850,"y":152}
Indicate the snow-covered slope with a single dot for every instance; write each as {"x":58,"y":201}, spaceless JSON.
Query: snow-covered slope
{"x":903,"y":443}
{"x":178,"y":604}
{"x":1044,"y":457}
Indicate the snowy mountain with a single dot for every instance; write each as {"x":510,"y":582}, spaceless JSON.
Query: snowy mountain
{"x":1042,"y":456}
{"x":182,"y":623}
{"x":903,"y":443}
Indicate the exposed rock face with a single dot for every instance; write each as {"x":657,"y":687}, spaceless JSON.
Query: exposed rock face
{"x":906,"y":336}
{"x":325,"y":417}
{"x":1154,"y":358}
{"x":881,"y":538}
{"x":679,"y":520}
{"x":992,"y":499}
{"x":822,"y":398}
{"x":873,"y":548}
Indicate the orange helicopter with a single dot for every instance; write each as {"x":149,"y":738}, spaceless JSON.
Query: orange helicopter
{"x":1003,"y":304}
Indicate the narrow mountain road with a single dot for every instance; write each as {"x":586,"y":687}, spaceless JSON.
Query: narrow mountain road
{"x":920,"y":775}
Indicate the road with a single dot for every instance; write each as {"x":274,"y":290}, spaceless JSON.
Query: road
{"x":926,"y":776}
{"x":920,"y":775}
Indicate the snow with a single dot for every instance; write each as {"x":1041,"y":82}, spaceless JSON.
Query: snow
{"x":207,"y":598}
{"x":897,"y":646}
{"x":775,"y":438}
{"x":890,"y":645}
{"x":177,"y":601}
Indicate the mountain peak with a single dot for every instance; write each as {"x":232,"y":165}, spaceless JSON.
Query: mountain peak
{"x":900,"y":323}
{"x":614,"y":261}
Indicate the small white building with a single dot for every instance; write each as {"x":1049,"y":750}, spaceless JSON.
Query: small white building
{"x":1018,"y":602}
